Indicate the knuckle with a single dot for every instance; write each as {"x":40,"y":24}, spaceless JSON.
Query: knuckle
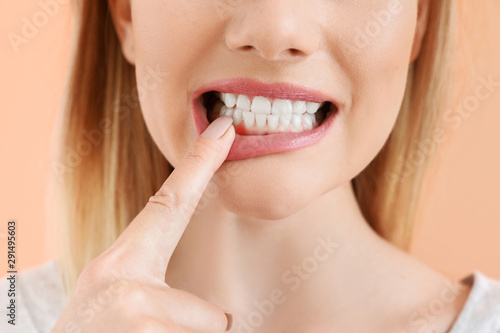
{"x":196,"y":158}
{"x":167,"y":199}
{"x":145,"y":325}
{"x":94,"y":272}
{"x":202,"y":151}
{"x":134,"y":296}
{"x":104,"y":268}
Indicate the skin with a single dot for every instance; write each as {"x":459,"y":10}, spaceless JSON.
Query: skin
{"x":244,"y":241}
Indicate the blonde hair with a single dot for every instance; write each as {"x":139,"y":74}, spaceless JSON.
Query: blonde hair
{"x":112,"y":165}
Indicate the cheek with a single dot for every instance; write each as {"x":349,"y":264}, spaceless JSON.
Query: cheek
{"x":377,"y":54}
{"x":174,"y":30}
{"x":163,"y":42}
{"x":167,"y":119}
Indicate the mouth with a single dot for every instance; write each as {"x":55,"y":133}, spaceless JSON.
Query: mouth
{"x":268,"y":118}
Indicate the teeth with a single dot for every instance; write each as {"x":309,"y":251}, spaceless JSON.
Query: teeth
{"x":285,"y":121}
{"x":313,"y":107}
{"x":248,"y":119}
{"x":260,"y":120}
{"x":299,"y":107}
{"x":243,"y":103}
{"x":260,"y":111}
{"x":228,"y":99}
{"x":272,"y":121}
{"x":297,"y":122}
{"x":282,"y":106}
{"x":225,"y":111}
{"x":308,"y":120}
{"x":237,"y":117}
{"x":261,"y":105}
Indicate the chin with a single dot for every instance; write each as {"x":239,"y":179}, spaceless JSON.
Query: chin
{"x":262,"y":209}
{"x":266,"y":198}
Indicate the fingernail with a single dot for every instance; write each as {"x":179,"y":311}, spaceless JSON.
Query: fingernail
{"x":229,"y":317}
{"x":218,"y":127}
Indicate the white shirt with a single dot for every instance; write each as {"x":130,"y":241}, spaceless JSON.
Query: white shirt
{"x":41,"y":300}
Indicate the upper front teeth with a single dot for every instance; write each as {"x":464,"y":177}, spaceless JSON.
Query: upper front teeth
{"x":262,"y":105}
{"x":243,"y":103}
{"x":261,"y":111}
{"x":228,"y":99}
{"x":282,"y":107}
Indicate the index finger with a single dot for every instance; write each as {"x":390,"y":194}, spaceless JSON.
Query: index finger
{"x":154,"y":234}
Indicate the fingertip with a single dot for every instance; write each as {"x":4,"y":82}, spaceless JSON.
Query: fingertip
{"x":230,"y":134}
{"x":227,"y":139}
{"x":218,"y":128}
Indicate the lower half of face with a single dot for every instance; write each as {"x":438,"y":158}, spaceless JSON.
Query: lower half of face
{"x":355,"y":55}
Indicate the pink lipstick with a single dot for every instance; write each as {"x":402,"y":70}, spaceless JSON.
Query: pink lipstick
{"x":247,"y":146}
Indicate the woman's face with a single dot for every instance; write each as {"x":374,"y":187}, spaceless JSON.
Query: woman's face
{"x":354,"y":54}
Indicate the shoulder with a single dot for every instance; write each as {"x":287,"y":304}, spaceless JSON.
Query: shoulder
{"x":39,"y":299}
{"x":481,"y":312}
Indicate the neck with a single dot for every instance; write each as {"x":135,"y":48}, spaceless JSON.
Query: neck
{"x":325,"y":254}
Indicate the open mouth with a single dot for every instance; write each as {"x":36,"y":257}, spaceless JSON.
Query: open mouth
{"x":269,"y":118}
{"x":258,"y":115}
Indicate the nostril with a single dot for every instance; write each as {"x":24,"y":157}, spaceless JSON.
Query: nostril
{"x":249,"y":49}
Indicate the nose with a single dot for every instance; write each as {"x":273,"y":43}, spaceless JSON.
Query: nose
{"x":275,"y":29}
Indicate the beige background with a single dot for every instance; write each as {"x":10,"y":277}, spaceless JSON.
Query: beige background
{"x":460,"y":213}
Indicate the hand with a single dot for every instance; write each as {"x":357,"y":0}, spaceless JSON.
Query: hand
{"x":129,"y":277}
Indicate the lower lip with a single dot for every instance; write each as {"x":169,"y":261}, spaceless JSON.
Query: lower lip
{"x":247,"y":146}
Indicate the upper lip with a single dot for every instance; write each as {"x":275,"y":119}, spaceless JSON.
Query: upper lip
{"x":277,"y":90}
